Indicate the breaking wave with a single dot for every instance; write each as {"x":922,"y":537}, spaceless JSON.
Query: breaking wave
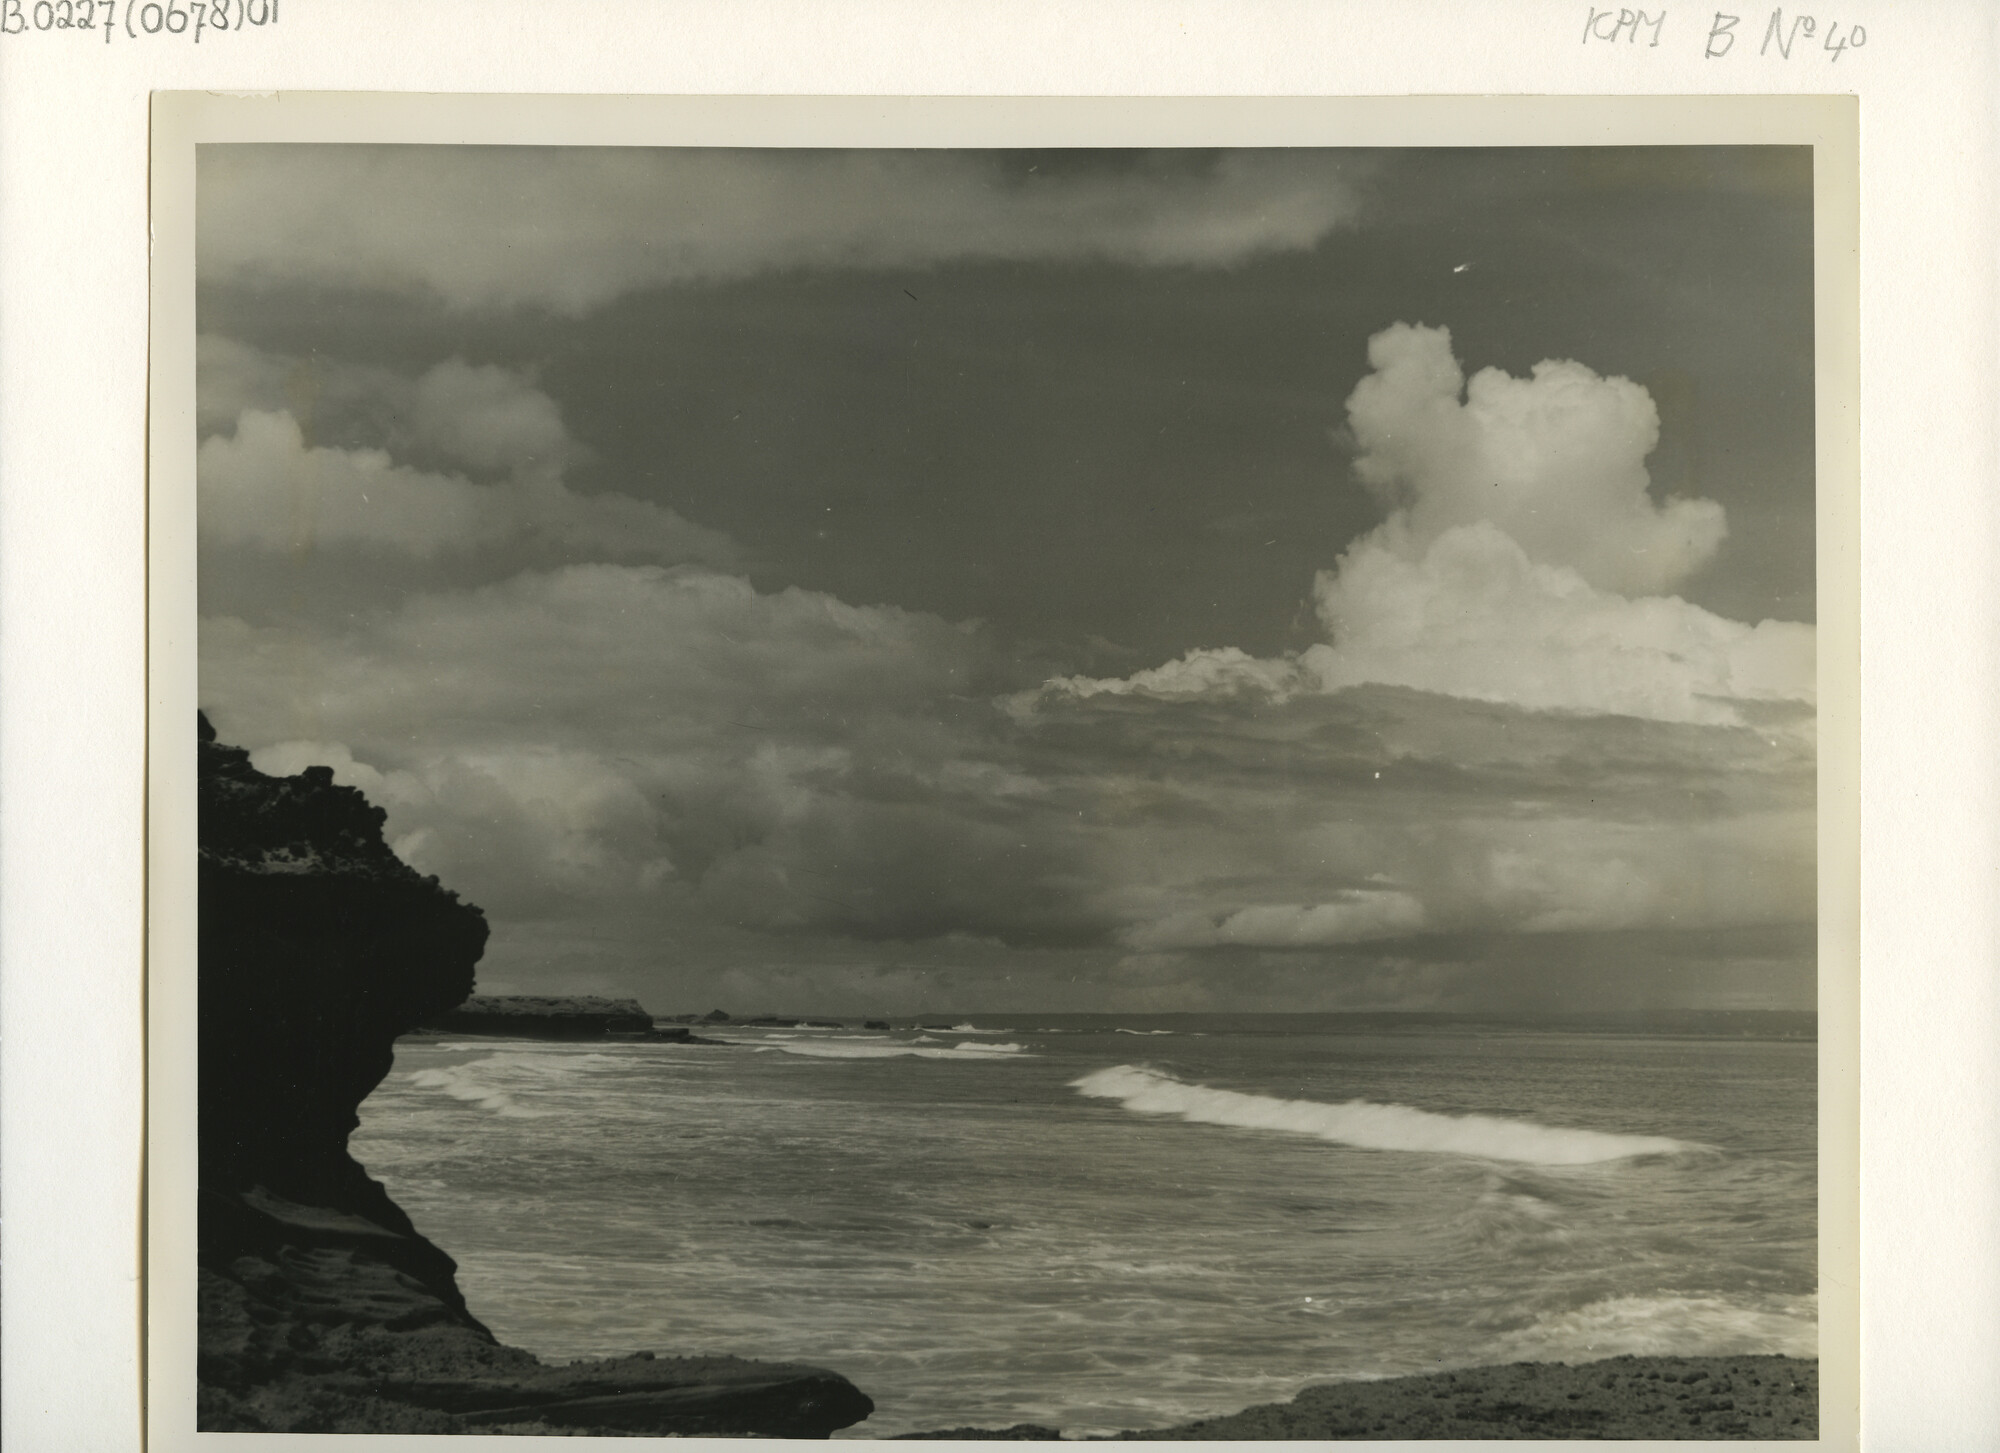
{"x":1369,"y":1126}
{"x":849,"y":1049}
{"x":1669,"y":1326}
{"x":498,"y":1081}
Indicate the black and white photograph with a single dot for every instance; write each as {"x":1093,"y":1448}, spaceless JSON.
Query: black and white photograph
{"x":1030,"y":792}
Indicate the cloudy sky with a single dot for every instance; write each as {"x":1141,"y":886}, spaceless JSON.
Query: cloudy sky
{"x":898,"y":582}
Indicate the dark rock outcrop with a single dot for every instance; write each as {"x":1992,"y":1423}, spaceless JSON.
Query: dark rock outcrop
{"x":322,"y":1309}
{"x":569,"y":1017}
{"x":1737,"y":1398}
{"x":1620,"y":1397}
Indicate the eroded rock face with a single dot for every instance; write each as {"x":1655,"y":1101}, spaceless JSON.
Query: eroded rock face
{"x":322,"y":1308}
{"x":318,"y":947}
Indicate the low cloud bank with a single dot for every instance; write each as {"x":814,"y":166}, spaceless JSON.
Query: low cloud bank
{"x":262,"y":485}
{"x":570,"y":229}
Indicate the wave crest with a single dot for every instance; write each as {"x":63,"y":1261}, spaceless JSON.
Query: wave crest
{"x":849,"y":1049}
{"x":494,"y":1082}
{"x":1367,"y":1125}
{"x":1670,"y":1326}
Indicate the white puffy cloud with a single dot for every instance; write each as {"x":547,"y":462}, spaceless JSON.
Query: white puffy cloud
{"x":1473,"y":615}
{"x":569,"y":229}
{"x":1556,"y":461}
{"x":264,"y":487}
{"x":262,"y":484}
{"x":1221,"y":672}
{"x":490,"y":418}
{"x":1519,"y":515}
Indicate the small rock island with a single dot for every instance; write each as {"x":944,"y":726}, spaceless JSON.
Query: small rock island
{"x":571,"y":1016}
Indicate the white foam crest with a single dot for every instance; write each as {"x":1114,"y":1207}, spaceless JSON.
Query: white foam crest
{"x":540,"y":1049}
{"x":848,"y":1049}
{"x":1670,"y":1326}
{"x":1370,"y":1126}
{"x":1142,"y":1031}
{"x":496,"y":1081}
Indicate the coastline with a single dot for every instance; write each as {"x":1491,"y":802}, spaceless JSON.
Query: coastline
{"x":322,"y":1308}
{"x":1713,"y":1398}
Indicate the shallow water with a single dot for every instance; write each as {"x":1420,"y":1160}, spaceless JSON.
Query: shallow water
{"x":1116,"y":1223}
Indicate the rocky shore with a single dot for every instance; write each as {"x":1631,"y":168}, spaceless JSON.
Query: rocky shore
{"x":322,"y":1308}
{"x":1620,"y":1397}
{"x":1623,"y":1397}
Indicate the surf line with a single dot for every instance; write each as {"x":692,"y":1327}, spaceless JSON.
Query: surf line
{"x":1369,"y":1126}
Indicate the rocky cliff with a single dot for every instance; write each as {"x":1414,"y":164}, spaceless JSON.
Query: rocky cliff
{"x":322,"y":1308}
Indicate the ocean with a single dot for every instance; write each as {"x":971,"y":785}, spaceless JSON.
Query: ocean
{"x":1109,"y":1222}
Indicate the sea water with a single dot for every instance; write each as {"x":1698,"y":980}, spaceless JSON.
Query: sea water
{"x":1117,"y":1222}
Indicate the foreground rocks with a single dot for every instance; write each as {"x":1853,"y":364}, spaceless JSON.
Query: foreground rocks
{"x":322,"y":1308}
{"x":1624,"y":1397}
{"x":1621,"y":1397}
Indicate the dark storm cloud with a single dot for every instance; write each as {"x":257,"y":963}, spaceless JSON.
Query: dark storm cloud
{"x":1069,"y":448}
{"x":570,"y":229}
{"x":1076,"y":414}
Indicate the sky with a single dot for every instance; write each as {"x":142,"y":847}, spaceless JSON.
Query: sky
{"x":908,"y":582}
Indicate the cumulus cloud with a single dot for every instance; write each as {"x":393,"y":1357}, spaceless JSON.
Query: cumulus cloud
{"x":262,"y":484}
{"x":264,"y":487}
{"x":1519,"y":519}
{"x":490,"y":418}
{"x":569,"y":229}
{"x":1473,"y":615}
{"x":1556,"y":461}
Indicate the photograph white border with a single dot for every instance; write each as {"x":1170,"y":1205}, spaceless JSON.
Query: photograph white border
{"x":183,"y":121}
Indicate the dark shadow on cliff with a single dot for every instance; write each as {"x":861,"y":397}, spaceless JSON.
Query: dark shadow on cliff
{"x":322,"y":1308}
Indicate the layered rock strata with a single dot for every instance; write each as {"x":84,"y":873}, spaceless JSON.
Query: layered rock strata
{"x":322,"y":1308}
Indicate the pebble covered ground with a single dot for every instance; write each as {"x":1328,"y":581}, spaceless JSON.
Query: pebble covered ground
{"x":1621,"y":1397}
{"x":1624,"y":1397}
